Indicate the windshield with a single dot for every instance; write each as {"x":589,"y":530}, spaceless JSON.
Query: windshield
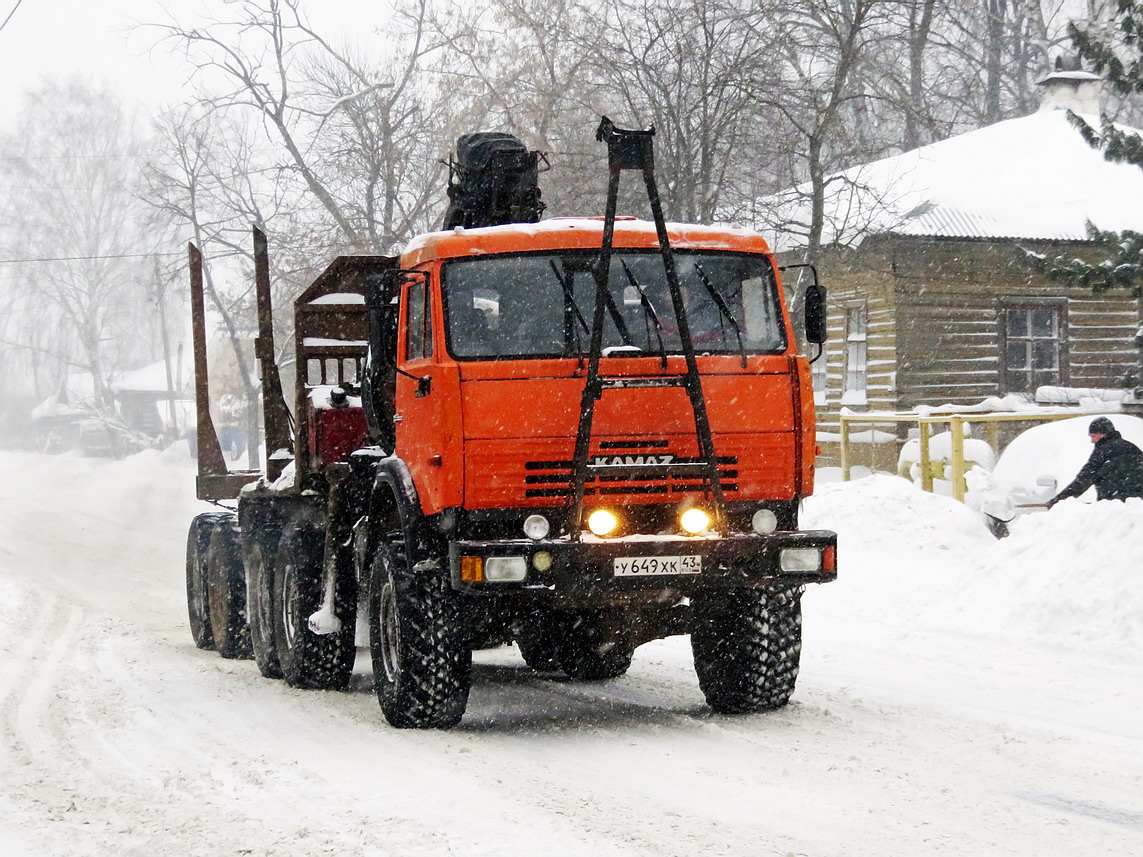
{"x":541,"y":305}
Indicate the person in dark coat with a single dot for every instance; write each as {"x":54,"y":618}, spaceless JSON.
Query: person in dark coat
{"x":1115,"y":467}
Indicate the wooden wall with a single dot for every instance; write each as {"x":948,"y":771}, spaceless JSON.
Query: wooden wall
{"x":934,"y":321}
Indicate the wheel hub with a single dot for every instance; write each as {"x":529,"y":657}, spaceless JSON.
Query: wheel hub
{"x":289,"y":602}
{"x":390,"y":631}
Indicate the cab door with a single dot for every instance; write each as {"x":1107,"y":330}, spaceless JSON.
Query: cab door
{"x":427,"y":399}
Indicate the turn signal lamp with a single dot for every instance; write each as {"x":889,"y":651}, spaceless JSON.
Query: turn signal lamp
{"x":471,"y":569}
{"x":695,"y":521}
{"x":601,"y":522}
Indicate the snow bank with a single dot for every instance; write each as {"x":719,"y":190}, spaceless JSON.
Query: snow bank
{"x":1068,"y":576}
{"x":1072,"y":574}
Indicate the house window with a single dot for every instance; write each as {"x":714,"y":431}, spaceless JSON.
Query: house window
{"x":856,"y":351}
{"x":1033,"y":346}
{"x":819,"y":376}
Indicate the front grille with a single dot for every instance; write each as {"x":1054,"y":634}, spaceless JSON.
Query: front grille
{"x":629,"y":474}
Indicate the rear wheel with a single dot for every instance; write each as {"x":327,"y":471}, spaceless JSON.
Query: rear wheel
{"x":259,"y":547}
{"x":198,"y":605}
{"x":586,"y":650}
{"x":747,"y":648}
{"x":422,"y":662}
{"x":226,"y":591}
{"x":309,"y":660}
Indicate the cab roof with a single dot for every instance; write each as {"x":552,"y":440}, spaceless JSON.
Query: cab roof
{"x":569,"y":233}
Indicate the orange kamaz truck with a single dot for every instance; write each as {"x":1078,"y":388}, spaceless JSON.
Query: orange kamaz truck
{"x":576,"y":435}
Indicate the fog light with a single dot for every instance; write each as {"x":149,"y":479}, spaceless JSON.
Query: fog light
{"x":764,"y":522}
{"x":800,"y":559}
{"x":695,"y":521}
{"x":505,"y":569}
{"x":541,"y":561}
{"x":601,"y":522}
{"x":536,"y":527}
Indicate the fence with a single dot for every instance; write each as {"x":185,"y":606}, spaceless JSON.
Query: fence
{"x":955,"y":422}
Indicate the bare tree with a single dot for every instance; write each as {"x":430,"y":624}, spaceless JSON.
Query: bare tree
{"x":73,"y":224}
{"x":694,"y":70}
{"x":519,"y":66}
{"x":823,"y":45}
{"x":207,"y":179}
{"x":345,"y":128}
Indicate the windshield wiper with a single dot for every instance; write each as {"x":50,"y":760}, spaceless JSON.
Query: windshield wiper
{"x":648,"y":312}
{"x":569,"y":303}
{"x":720,"y":302}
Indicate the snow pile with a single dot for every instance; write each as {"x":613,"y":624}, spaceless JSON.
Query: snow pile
{"x":1070,"y":575}
{"x":908,"y":557}
{"x":899,"y":548}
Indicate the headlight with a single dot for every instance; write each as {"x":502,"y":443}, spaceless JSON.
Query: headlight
{"x":764,"y":522}
{"x":601,"y":522}
{"x":800,"y":559}
{"x":695,"y":521}
{"x":536,"y":527}
{"x":505,"y":569}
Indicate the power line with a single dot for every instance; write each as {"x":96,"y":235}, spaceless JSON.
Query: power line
{"x":10,"y":14}
{"x":86,"y":258}
{"x":75,"y":157}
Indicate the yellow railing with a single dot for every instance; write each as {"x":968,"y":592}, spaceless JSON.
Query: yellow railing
{"x":955,"y":422}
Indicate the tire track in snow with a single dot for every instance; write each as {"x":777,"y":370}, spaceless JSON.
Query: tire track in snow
{"x":42,"y":637}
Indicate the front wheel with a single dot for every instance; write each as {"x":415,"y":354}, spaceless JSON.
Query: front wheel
{"x":747,"y":647}
{"x":422,"y":662}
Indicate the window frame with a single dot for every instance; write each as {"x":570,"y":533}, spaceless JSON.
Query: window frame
{"x":855,"y":341}
{"x":1006,"y":373}
{"x":418,"y":292}
{"x":778,"y":322}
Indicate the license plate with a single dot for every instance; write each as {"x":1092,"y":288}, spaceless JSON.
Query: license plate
{"x":635,"y":566}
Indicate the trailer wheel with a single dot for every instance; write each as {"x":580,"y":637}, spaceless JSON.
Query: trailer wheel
{"x":259,"y":547}
{"x":308,"y":660}
{"x":422,"y":662}
{"x":587,"y":653}
{"x":226,"y":591}
{"x":747,"y":648}
{"x":198,"y":606}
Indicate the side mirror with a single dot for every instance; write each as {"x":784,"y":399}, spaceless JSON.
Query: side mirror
{"x":815,"y":314}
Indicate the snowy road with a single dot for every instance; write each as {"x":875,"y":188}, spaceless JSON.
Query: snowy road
{"x":928,"y":719}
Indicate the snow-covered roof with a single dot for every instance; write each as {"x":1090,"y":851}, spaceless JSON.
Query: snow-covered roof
{"x":149,"y":378}
{"x":1032,"y":178}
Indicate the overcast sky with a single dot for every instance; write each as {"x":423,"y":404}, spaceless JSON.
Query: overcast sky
{"x":102,"y":41}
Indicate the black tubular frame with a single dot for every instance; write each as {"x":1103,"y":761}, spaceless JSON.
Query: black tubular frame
{"x":634,"y":150}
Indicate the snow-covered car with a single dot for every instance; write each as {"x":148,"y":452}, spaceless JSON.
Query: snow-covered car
{"x":977,"y":453}
{"x":1036,"y":465}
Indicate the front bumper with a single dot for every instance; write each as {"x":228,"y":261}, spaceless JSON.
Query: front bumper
{"x":735,"y":561}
